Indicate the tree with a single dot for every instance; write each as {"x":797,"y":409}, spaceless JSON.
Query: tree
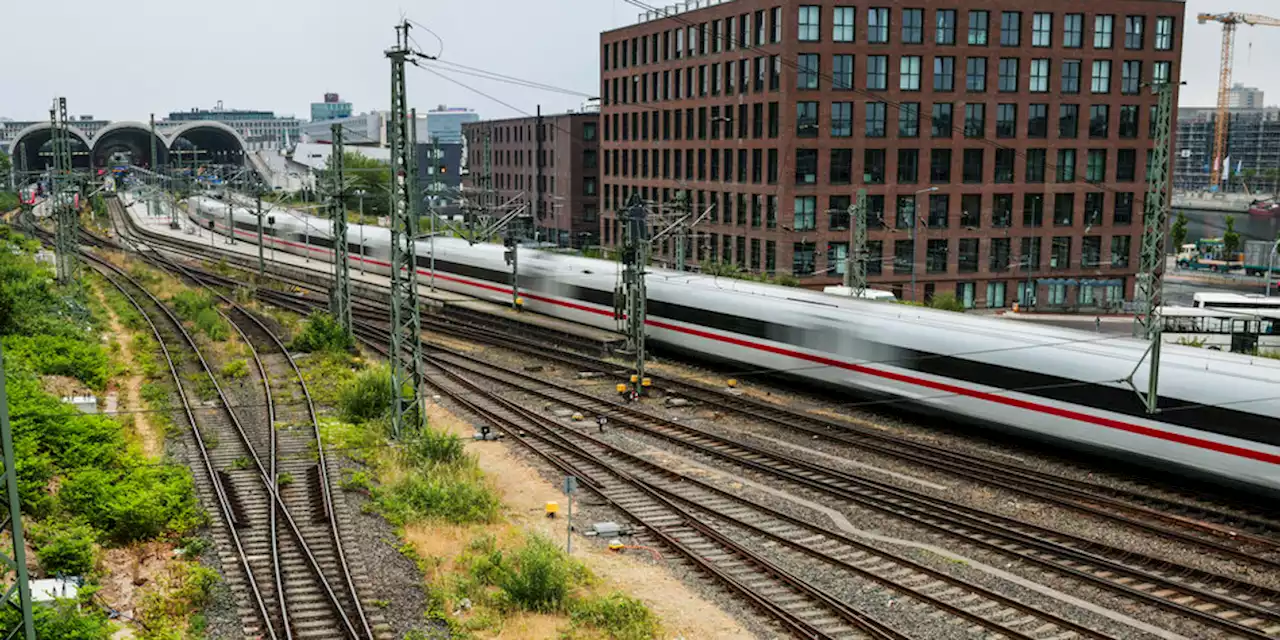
{"x":1179,"y":231}
{"x":1230,"y":239}
{"x":5,"y":164}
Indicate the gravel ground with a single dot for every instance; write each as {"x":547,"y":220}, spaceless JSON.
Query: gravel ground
{"x":394,"y":577}
{"x":967,"y":492}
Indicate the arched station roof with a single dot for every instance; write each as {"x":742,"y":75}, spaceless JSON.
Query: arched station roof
{"x":221,"y":141}
{"x":39,"y":137}
{"x":134,"y":137}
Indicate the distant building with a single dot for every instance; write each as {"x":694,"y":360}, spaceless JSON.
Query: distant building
{"x":1242,"y":97}
{"x":366,"y":129}
{"x":283,"y":130}
{"x":556,"y":173}
{"x":439,"y":178}
{"x":331,"y":109}
{"x":445,"y":124}
{"x":1253,"y":143}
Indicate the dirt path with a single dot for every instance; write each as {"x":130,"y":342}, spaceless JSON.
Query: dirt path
{"x":684,"y":612}
{"x":149,"y":437}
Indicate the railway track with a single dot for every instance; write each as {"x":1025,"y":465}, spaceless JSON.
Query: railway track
{"x":281,"y":566}
{"x":1234,"y":607}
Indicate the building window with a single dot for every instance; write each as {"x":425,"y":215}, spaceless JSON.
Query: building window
{"x":1102,"y":30}
{"x":975,"y":74}
{"x":1091,"y":252}
{"x":1039,"y":82}
{"x":1066,"y":165}
{"x":940,"y":166}
{"x":1010,"y":29}
{"x":1129,"y":121}
{"x":806,"y":119}
{"x":1035,"y":165}
{"x":1160,"y":72}
{"x":806,"y":215}
{"x":978,"y":28}
{"x":999,"y":258}
{"x":1064,"y":206}
{"x":1008,"y":75}
{"x":903,"y":258}
{"x":1101,"y":80}
{"x":975,"y":120}
{"x":841,"y":119}
{"x":1164,"y":33}
{"x":908,"y":119}
{"x":1126,"y":165}
{"x":1060,"y":257}
{"x":1133,"y":26}
{"x":1004,"y":166}
{"x":589,"y":186}
{"x":878,"y":72}
{"x":809,"y":23}
{"x":995,"y":294}
{"x":802,"y":263}
{"x":1002,"y":210}
{"x":1073,"y":31}
{"x":1130,"y":76}
{"x":936,"y":255}
{"x":843,"y":24}
{"x":909,"y":73}
{"x":1120,"y":251}
{"x":1096,"y":166}
{"x":1006,"y":120}
{"x":1123,"y":212}
{"x":971,"y":166}
{"x":776,"y":18}
{"x":912,"y":26}
{"x":906,"y":212}
{"x":841,"y":166}
{"x":877,"y":25}
{"x":1068,"y":120}
{"x":944,"y":73}
{"x":945,"y":21}
{"x":842,"y":71}
{"x":971,"y":210}
{"x":588,"y":131}
{"x":1037,"y":121}
{"x":806,"y":166}
{"x":908,"y":166}
{"x":1071,"y":76}
{"x":837,"y":255}
{"x":873,"y":162}
{"x":838,"y":207}
{"x":1033,"y":210}
{"x":773,"y":120}
{"x":875,"y":127}
{"x":807,"y":71}
{"x":1041,"y":29}
{"x":941,"y":120}
{"x":1099,"y":121}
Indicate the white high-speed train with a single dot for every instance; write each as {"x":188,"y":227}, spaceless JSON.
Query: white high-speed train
{"x":1220,"y":412}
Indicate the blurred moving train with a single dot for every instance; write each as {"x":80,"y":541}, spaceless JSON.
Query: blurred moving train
{"x":1218,"y":415}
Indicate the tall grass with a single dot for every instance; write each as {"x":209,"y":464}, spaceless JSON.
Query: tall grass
{"x":367,"y":397}
{"x":322,"y":333}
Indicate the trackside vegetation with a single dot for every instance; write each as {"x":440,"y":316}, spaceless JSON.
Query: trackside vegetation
{"x":84,"y":486}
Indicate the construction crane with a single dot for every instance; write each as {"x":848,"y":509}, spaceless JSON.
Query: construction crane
{"x":1229,"y":22}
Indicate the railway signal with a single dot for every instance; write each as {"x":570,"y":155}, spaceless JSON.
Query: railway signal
{"x":630,"y":300}
{"x":512,"y":256}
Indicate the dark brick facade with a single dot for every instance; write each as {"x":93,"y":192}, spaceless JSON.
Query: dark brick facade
{"x":568,"y":208}
{"x":1024,"y":189}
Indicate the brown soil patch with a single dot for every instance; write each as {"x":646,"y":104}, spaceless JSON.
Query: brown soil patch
{"x":64,"y":386}
{"x":131,"y":570}
{"x":683,"y":612}
{"x":149,"y":437}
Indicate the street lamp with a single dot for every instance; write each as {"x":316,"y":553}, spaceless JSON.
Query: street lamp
{"x":915,"y":202}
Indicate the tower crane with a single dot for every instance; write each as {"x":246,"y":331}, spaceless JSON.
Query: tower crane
{"x":1229,"y":22}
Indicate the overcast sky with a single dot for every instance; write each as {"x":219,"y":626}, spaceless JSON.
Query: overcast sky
{"x":123,"y":59}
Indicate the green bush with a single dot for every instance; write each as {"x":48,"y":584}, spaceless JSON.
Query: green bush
{"x":536,"y":577}
{"x":322,"y":333}
{"x":367,"y":397}
{"x":236,"y":369}
{"x":453,"y":493}
{"x":139,"y":504}
{"x":435,"y":447}
{"x":63,"y":620}
{"x":947,"y":302}
{"x":61,"y":356}
{"x":620,"y":616}
{"x":197,"y":307}
{"x":69,"y":549}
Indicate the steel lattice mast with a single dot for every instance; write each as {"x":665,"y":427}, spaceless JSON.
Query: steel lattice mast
{"x":1155,"y":220}
{"x":14,"y":559}
{"x":340,"y":294}
{"x":855,"y":268}
{"x":631,"y":300}
{"x":64,"y":210}
{"x":406,"y":328}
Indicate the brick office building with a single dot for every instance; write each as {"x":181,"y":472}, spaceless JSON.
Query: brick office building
{"x":1019,"y":129}
{"x":558,"y":176}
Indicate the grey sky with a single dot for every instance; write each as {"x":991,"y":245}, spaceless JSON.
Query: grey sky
{"x":123,"y":59}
